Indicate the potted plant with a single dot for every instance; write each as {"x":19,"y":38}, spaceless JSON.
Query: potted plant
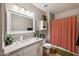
{"x":8,"y":39}
{"x":37,"y":34}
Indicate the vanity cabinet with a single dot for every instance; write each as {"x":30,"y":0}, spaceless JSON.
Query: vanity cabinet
{"x":35,"y":49}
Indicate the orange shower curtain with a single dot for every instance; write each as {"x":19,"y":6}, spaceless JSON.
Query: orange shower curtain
{"x":63,"y":33}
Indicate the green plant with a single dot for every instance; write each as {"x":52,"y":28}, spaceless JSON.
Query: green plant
{"x":8,"y":39}
{"x":37,"y":34}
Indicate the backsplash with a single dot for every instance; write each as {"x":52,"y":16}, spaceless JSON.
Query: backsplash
{"x":16,"y":37}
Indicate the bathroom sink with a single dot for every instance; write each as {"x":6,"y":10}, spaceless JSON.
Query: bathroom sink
{"x":30,"y":40}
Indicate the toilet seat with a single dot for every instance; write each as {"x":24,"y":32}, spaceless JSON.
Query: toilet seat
{"x":47,"y":45}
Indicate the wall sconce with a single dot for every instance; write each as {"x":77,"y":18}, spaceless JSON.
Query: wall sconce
{"x":15,"y":7}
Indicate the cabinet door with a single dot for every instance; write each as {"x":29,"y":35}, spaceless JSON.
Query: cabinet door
{"x":18,"y":53}
{"x":40,"y":49}
{"x":27,"y":51}
{"x":31,"y":50}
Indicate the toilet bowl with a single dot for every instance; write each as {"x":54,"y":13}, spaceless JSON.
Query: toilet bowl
{"x":47,"y":47}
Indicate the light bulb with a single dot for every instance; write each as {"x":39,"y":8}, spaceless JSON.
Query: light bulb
{"x":31,"y":13}
{"x":22,"y":9}
{"x":27,"y":12}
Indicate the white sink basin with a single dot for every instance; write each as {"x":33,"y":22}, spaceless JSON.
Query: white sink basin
{"x":29,"y":40}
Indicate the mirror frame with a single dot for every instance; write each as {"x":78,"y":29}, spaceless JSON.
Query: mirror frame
{"x":9,"y":12}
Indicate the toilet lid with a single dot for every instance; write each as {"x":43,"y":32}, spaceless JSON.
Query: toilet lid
{"x":47,"y":45}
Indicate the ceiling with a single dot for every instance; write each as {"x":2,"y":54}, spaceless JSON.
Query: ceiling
{"x":56,"y":7}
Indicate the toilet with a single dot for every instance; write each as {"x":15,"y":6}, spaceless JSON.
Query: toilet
{"x":47,"y":47}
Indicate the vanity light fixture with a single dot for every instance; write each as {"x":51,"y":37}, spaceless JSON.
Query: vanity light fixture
{"x":15,"y":7}
{"x":28,"y":12}
{"x":31,"y":13}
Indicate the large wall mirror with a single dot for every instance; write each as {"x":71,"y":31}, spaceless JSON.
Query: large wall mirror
{"x":19,"y":23}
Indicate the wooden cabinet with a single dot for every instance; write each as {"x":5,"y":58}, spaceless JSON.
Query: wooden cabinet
{"x":33,"y":50}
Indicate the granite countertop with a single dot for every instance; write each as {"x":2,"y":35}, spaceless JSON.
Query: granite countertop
{"x":18,"y":45}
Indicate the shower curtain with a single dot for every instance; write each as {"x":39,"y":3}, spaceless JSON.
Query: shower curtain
{"x":63,"y":33}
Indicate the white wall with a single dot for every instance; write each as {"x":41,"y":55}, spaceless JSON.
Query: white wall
{"x":50,"y":16}
{"x":1,"y":27}
{"x":67,"y":13}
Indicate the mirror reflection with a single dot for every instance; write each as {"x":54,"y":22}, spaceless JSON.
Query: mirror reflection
{"x":20,"y":23}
